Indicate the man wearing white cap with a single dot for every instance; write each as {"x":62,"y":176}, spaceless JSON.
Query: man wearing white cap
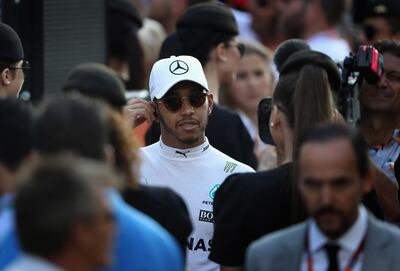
{"x":183,"y":159}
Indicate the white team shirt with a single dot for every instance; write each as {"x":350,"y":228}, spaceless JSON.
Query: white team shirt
{"x":195,"y":174}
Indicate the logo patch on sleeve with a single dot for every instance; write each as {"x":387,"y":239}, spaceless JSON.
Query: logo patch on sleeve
{"x":229,"y":167}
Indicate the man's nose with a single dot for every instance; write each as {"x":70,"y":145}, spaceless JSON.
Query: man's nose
{"x":383,"y":82}
{"x":186,"y":108}
{"x":326,"y":195}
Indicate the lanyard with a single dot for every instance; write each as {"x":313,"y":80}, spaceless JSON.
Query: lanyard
{"x":350,"y":264}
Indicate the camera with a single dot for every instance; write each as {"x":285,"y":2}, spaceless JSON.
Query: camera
{"x":366,"y":64}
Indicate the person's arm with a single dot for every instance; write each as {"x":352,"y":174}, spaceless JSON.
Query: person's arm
{"x":387,"y":192}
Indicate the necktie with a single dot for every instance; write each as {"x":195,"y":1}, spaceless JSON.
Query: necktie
{"x":332,"y":251}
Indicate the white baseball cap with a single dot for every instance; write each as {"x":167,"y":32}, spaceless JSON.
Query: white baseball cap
{"x":168,"y":72}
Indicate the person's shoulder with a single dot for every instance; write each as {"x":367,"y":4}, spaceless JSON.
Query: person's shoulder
{"x":149,"y":152}
{"x":133,"y":223}
{"x":150,"y":148}
{"x":143,"y":237}
{"x":391,"y":231}
{"x":260,"y":181}
{"x":275,"y":240}
{"x":163,"y":195}
{"x":231,"y":165}
{"x":222,"y":115}
{"x":224,"y":112}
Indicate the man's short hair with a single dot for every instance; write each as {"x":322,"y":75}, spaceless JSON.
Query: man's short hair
{"x":330,"y":132}
{"x":16,"y":128}
{"x":388,"y":46}
{"x":73,"y":124}
{"x":54,"y":193}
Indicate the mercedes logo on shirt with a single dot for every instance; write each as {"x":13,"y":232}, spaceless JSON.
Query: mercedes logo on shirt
{"x":178,"y":67}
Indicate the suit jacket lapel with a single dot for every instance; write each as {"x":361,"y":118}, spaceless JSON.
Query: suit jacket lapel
{"x":375,"y":252}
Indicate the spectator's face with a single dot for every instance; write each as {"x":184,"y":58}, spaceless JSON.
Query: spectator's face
{"x":253,"y":82}
{"x":101,"y":234}
{"x":385,"y":95}
{"x":184,"y":126}
{"x":291,"y":19}
{"x":330,"y":184}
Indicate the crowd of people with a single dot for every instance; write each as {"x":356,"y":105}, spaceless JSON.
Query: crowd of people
{"x":238,"y":156}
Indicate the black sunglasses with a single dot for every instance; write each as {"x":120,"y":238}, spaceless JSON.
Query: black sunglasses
{"x":174,"y":103}
{"x":24,"y":67}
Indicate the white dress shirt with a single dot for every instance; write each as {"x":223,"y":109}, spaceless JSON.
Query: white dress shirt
{"x":32,"y":263}
{"x":348,"y":243}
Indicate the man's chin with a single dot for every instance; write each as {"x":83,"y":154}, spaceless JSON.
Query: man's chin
{"x":330,"y":225}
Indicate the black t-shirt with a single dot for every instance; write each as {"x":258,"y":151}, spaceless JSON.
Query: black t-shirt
{"x":225,"y":132}
{"x":248,"y":206}
{"x":164,"y":206}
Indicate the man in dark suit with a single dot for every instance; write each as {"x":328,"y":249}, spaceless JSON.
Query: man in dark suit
{"x":332,"y":170}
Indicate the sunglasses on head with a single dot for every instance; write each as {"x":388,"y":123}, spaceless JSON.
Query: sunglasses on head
{"x":174,"y":102}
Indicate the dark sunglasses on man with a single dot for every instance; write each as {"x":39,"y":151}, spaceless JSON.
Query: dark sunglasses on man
{"x":24,"y":67}
{"x":174,"y":102}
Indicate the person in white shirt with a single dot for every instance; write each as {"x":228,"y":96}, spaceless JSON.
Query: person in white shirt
{"x":333,"y":172}
{"x":183,"y":159}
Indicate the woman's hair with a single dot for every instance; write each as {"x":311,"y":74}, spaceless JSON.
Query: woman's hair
{"x":125,"y":148}
{"x":304,"y":94}
{"x":199,"y":30}
{"x":123,"y":22}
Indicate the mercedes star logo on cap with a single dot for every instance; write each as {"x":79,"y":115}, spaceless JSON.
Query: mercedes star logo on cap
{"x":178,"y":67}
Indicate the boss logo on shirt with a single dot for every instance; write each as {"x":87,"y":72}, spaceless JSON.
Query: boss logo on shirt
{"x":206,"y":216}
{"x":229,"y":167}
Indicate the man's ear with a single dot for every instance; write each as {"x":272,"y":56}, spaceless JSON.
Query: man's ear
{"x":6,"y":76}
{"x":221,"y":52}
{"x":156,"y":114}
{"x":210,"y":99}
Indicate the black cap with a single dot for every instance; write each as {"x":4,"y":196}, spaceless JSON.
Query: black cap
{"x":10,"y":44}
{"x":308,"y":57}
{"x":214,"y":16}
{"x":96,"y":80}
{"x":384,"y":8}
